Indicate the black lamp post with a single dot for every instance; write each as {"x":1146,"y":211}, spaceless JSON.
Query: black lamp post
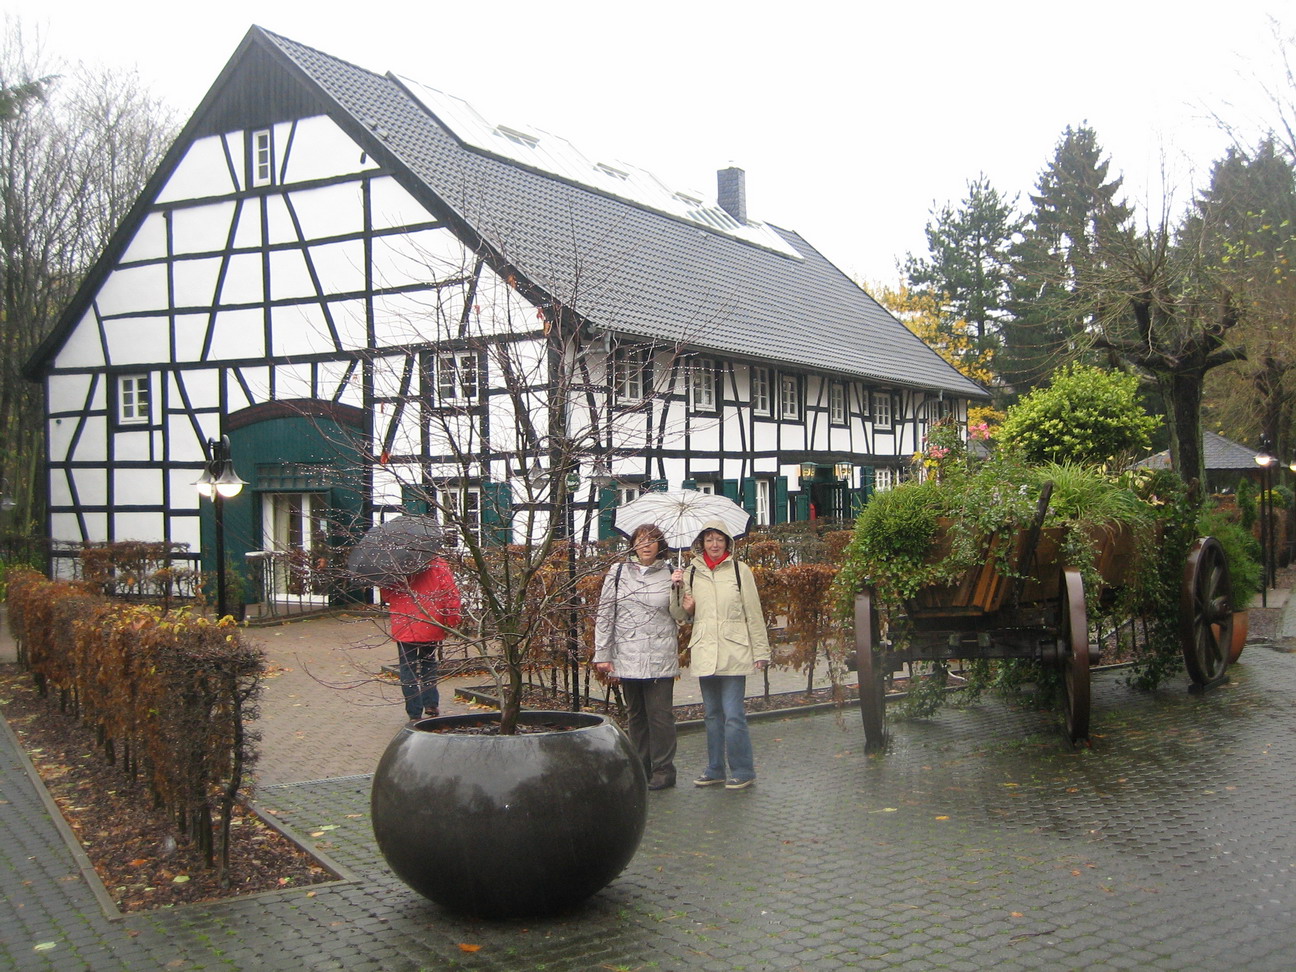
{"x":1265,"y":460}
{"x":1291,"y":520}
{"x":218,"y":483}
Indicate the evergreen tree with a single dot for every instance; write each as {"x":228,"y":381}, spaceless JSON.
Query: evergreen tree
{"x":967,"y":266}
{"x":1075,"y":216}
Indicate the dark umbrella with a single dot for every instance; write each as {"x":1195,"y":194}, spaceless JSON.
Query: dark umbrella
{"x":393,"y":551}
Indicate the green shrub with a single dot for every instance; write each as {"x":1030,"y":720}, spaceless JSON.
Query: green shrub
{"x":1085,"y":415}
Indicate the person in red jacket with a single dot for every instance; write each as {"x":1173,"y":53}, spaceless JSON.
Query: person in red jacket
{"x":421,"y":609}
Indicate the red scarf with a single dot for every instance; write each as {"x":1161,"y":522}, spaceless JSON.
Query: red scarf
{"x":713,"y":564}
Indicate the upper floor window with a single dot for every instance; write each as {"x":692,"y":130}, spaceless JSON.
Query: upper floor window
{"x":937,"y":409}
{"x":630,"y":374}
{"x":883,"y":478}
{"x":705,"y":486}
{"x":262,"y":158}
{"x":760,"y":391}
{"x":456,"y":376}
{"x":789,"y":397}
{"x":882,"y":409}
{"x":133,"y":400}
{"x":703,"y":385}
{"x":836,"y":403}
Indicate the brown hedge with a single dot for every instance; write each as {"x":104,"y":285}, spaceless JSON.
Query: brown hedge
{"x":168,"y":693}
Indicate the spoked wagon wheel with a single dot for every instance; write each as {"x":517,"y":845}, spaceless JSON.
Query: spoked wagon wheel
{"x":1206,"y":612}
{"x":872,"y":693}
{"x":1073,"y":653}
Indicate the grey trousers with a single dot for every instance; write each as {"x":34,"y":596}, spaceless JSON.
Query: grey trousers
{"x":651,"y":724}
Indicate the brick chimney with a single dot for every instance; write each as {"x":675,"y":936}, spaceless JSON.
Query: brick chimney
{"x":731,"y":193}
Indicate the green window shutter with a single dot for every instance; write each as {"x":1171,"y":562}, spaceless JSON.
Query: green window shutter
{"x":607,"y":504}
{"x":689,"y":484}
{"x":730,"y":488}
{"x":655,"y":486}
{"x":780,"y":499}
{"x":801,"y":505}
{"x":497,"y":513}
{"x":868,"y":482}
{"x":414,"y":499}
{"x":749,"y":496}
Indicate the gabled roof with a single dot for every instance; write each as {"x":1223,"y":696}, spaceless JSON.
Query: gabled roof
{"x":1219,"y":454}
{"x":621,"y":265}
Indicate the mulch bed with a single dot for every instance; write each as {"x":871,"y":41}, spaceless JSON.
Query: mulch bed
{"x":139,"y":854}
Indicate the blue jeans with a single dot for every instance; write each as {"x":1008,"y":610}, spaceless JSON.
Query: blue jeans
{"x":726,"y":727}
{"x":418,"y":676}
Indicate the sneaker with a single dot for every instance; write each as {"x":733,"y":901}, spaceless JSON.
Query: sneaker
{"x":707,"y":781}
{"x":737,"y":784}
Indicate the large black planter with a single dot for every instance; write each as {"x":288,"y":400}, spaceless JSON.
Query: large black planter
{"x":509,"y":826}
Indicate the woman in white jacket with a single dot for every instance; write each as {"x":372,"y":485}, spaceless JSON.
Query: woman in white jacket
{"x":636,"y":642}
{"x":729,"y":642}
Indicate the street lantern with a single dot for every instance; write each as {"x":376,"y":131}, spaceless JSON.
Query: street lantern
{"x":218,"y":483}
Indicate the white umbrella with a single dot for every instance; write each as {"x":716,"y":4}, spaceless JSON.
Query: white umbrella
{"x":680,"y":514}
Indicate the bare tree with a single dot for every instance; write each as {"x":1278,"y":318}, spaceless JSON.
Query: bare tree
{"x":76,"y":146}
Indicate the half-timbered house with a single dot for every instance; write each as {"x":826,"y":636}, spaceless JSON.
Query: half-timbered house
{"x":384,"y":300}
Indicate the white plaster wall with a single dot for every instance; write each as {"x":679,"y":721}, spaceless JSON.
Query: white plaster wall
{"x":202,"y":388}
{"x":92,"y":444}
{"x":137,"y":487}
{"x":320,"y":149}
{"x":205,"y":228}
{"x":293,"y":381}
{"x":194,"y":281}
{"x":289,"y":275}
{"x":323,"y":211}
{"x":243,"y":283}
{"x":149,"y":241}
{"x":131,"y":525}
{"x":203,"y":171}
{"x":299,"y":329}
{"x":190,"y":331}
{"x":186,"y":530}
{"x":138,"y":340}
{"x":92,"y":485}
{"x":133,"y":446}
{"x":239,"y":334}
{"x":257,"y":380}
{"x":392,"y":206}
{"x":132,"y":289}
{"x":81,"y":350}
{"x":340,"y":266}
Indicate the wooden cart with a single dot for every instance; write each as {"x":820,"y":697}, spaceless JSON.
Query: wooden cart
{"x":1035,"y":610}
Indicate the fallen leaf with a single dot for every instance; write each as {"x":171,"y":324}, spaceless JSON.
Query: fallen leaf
{"x":180,"y":879}
{"x":943,"y":817}
{"x":1016,"y":914}
{"x":469,"y":948}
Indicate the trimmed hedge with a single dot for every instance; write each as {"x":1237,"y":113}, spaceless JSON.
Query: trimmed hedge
{"x":167,"y":693}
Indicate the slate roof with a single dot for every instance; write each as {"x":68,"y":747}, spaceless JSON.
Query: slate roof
{"x":621,"y":266}
{"x":1219,"y":453}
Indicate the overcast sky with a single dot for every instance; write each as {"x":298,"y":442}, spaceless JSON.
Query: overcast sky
{"x":851,"y":119}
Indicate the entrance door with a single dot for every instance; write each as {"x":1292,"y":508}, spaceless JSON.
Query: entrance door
{"x":296,"y":532}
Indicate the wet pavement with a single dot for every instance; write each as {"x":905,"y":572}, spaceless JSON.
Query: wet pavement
{"x":978,"y":838}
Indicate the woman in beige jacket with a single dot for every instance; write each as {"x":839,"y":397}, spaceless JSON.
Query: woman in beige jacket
{"x":729,"y":642}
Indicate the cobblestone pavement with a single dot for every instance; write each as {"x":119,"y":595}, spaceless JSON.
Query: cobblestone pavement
{"x":979,"y":838}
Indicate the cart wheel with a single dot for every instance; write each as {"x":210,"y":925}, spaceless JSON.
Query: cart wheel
{"x":1073,"y":650}
{"x":872,"y":693}
{"x":1206,"y":612}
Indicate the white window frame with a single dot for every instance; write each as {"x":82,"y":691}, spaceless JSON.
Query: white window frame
{"x":464,"y":506}
{"x":882,"y":418}
{"x":627,"y":495}
{"x":883,"y":479}
{"x":789,"y":397}
{"x":866,"y":403}
{"x":760,"y":392}
{"x":836,"y":403}
{"x":764,"y":501}
{"x":702,"y":384}
{"x":456,"y":376}
{"x":705,"y":486}
{"x":938,"y":409}
{"x":630,"y":374}
{"x":134,"y":408}
{"x":262,"y":158}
